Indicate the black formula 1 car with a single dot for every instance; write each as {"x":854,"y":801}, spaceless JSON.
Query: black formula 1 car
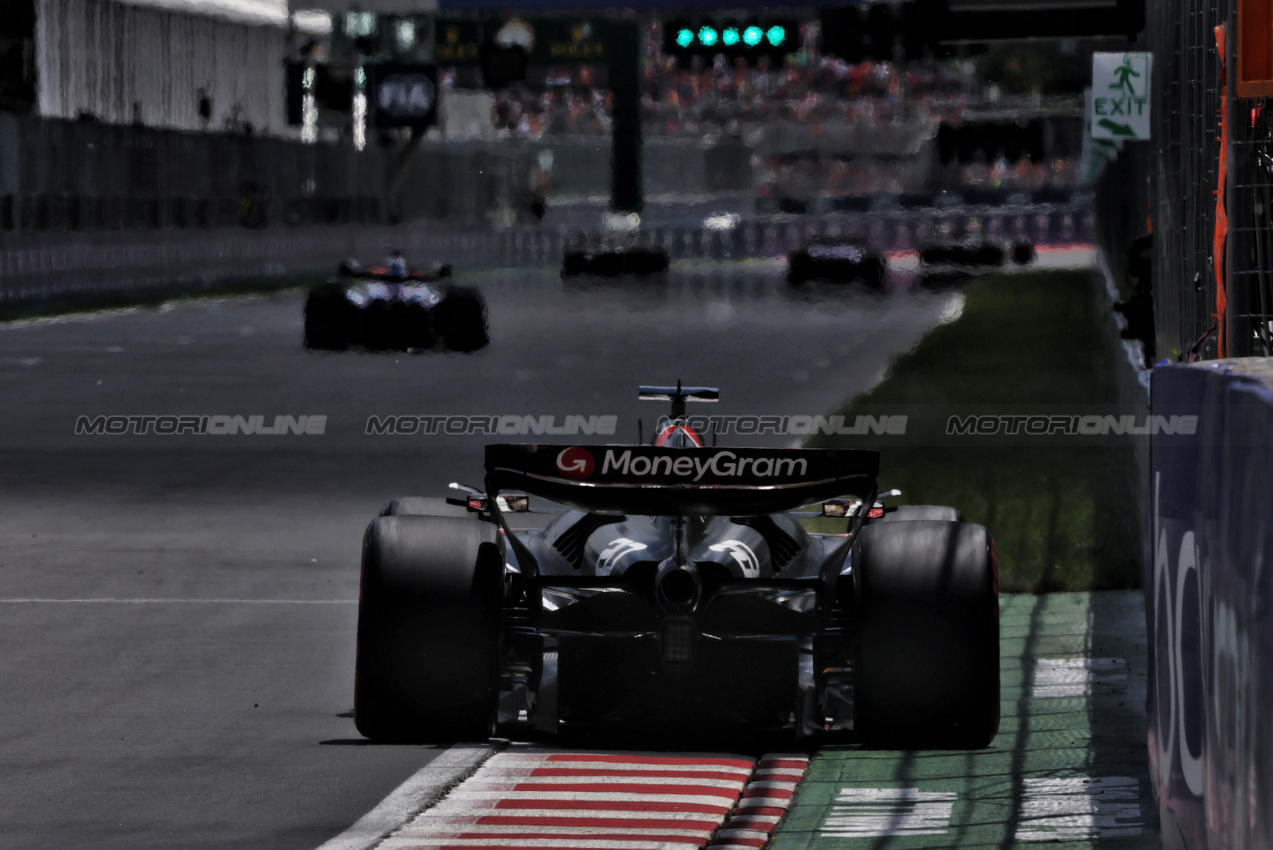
{"x":677,"y":591}
{"x":379,"y":310}
{"x":837,"y":261}
{"x":612,"y":258}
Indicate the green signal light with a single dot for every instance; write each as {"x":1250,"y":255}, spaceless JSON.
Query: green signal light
{"x":707,"y":36}
{"x":684,"y":37}
{"x":777,"y":35}
{"x":730,"y":36}
{"x":752,"y":36}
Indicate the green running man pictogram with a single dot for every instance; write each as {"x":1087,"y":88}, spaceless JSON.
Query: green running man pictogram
{"x":1124,"y":72}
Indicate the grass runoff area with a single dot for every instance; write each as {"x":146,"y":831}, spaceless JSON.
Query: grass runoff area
{"x":1064,"y":517}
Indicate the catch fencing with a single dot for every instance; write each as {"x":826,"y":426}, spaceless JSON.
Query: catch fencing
{"x":1214,"y":289}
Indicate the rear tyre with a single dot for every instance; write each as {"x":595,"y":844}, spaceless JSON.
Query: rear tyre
{"x":423,"y":506}
{"x":418,"y":330}
{"x":873,"y":273}
{"x":328,"y":318}
{"x":927,"y":635}
{"x":428,"y":630}
{"x":797,"y":270}
{"x":1022,"y":252}
{"x":574,"y":263}
{"x":914,"y":512}
{"x":460,"y":319}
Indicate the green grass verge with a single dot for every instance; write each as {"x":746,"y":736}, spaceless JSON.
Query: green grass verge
{"x":1063,"y":517}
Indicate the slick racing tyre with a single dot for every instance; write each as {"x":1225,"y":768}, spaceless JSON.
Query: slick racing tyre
{"x":927,"y":634}
{"x":418,"y":333}
{"x":428,"y":630}
{"x":328,"y":318}
{"x":1022,"y":252}
{"x":460,"y":319}
{"x":798,"y":271}
{"x":872,"y":272}
{"x":913,"y":512}
{"x":574,"y":263}
{"x":423,"y":506}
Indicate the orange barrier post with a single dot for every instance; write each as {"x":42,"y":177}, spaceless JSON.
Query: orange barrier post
{"x":1219,"y":246}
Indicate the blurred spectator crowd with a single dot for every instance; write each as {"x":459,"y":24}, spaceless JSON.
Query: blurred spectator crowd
{"x":720,"y":98}
{"x":817,"y":124}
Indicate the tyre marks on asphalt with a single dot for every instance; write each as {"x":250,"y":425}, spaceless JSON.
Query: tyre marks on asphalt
{"x":608,"y":801}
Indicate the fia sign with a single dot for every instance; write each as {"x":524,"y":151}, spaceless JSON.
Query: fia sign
{"x":405,"y":95}
{"x":1120,"y":95}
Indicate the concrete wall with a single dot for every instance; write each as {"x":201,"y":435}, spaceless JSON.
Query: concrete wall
{"x":63,"y":266}
{"x":78,"y":175}
{"x":73,"y":175}
{"x":126,"y":64}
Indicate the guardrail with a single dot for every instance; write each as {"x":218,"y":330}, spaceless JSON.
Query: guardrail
{"x":59,"y":266}
{"x":1209,"y":605}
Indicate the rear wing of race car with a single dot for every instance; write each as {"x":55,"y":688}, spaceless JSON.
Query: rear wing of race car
{"x":678,"y":395}
{"x":655,"y":481}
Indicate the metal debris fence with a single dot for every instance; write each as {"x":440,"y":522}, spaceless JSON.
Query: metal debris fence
{"x":1183,"y":169}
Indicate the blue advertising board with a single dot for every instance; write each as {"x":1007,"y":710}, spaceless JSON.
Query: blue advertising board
{"x":1209,"y":607}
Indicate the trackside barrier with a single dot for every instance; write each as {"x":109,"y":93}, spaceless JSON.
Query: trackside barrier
{"x":46,"y":266}
{"x":1209,"y":607}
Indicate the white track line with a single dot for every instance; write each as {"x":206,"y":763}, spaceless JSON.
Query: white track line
{"x":422,"y":790}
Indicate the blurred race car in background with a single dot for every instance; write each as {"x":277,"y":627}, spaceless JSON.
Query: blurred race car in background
{"x":676,"y":591}
{"x":394,"y":308}
{"x":612,"y":256}
{"x":837,"y":260}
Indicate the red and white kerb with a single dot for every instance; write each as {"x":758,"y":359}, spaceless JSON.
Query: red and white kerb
{"x":765,"y":800}
{"x":594,"y":801}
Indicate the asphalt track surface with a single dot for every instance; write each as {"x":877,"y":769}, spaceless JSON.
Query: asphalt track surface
{"x":179,"y":611}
